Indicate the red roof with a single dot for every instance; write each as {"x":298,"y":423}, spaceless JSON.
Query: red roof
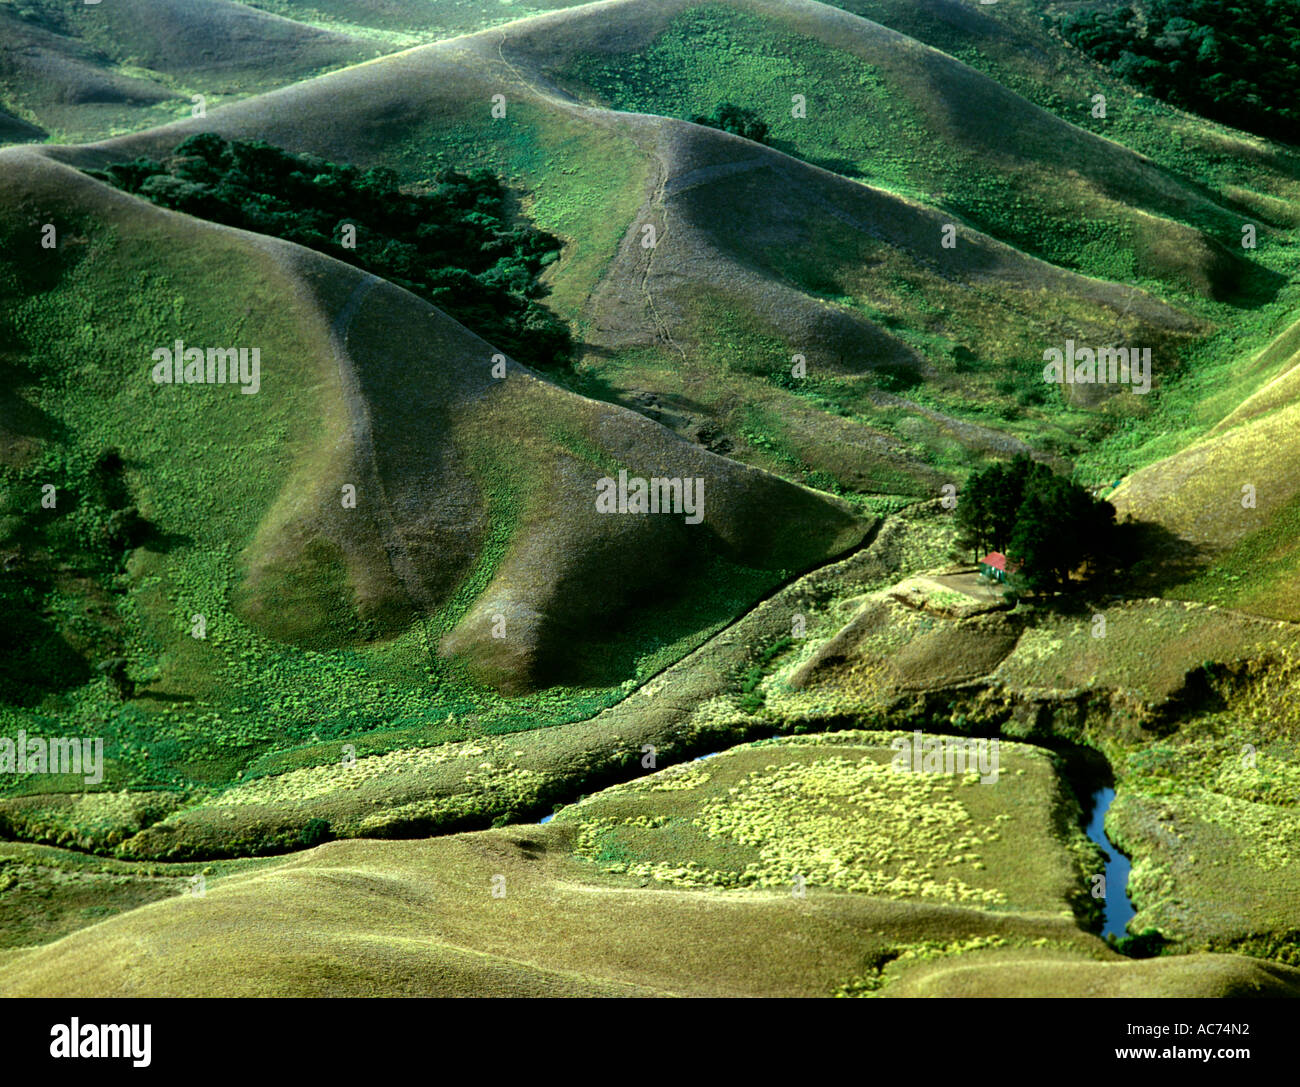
{"x":999,"y":561}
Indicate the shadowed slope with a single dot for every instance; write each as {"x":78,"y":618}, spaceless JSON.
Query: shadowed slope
{"x":904,"y":112}
{"x":14,"y":130}
{"x":466,"y":483}
{"x":91,"y":68}
{"x":1232,"y":496}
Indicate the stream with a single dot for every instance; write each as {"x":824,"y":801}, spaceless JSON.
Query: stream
{"x":1118,"y":909}
{"x":700,"y":758}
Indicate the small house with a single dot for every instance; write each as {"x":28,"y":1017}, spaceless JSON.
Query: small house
{"x":996,"y":566}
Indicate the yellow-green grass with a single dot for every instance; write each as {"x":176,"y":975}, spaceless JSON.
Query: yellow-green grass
{"x":689,"y":706}
{"x":1222,"y":489}
{"x":1260,"y":574}
{"x":524,"y":911}
{"x":395,"y":930}
{"x":885,"y":652}
{"x":1147,"y":649}
{"x":1032,"y":974}
{"x":47,"y":893}
{"x":1195,"y":709}
{"x":397,"y":789}
{"x":1231,"y":495}
{"x":1207,"y":809}
{"x":1105,"y":671}
{"x":420,"y":918}
{"x":832,"y":811}
{"x":1213,"y":871}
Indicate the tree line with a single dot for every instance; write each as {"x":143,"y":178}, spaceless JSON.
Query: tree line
{"x":1235,"y":62}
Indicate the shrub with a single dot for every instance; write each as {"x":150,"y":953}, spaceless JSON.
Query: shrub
{"x":314,"y":832}
{"x":737,"y":120}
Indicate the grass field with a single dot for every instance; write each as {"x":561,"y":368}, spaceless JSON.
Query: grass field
{"x":346,"y":650}
{"x":528,"y":910}
{"x":469,"y":649}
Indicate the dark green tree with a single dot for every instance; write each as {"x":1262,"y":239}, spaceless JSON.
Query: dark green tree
{"x":1048,"y":524}
{"x":738,"y":120}
{"x":457,"y":244}
{"x":1235,"y":62}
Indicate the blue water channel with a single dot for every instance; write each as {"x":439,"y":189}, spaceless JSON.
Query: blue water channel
{"x":1117,"y":909}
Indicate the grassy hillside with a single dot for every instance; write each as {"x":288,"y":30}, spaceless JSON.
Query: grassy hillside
{"x":893,"y":306}
{"x":827,"y":329}
{"x":79,"y":70}
{"x":321,"y":620}
{"x":918,"y":358}
{"x":459,"y":244}
{"x":538,"y":910}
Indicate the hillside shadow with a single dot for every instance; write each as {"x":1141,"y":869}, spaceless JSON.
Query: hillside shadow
{"x":162,"y":696}
{"x":35,"y":657}
{"x":598,"y":388}
{"x":1247,"y":285}
{"x":1155,"y":562}
{"x":1162,"y":559}
{"x":19,"y":418}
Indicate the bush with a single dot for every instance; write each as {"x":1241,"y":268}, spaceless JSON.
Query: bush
{"x":1147,"y":944}
{"x":737,"y":120}
{"x":314,"y":832}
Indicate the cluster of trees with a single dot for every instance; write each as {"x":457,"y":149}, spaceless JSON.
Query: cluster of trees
{"x":1235,"y":61}
{"x":1051,"y":525}
{"x":49,"y":14}
{"x":456,"y":244}
{"x":738,"y":120}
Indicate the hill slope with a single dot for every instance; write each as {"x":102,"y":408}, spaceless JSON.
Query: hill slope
{"x":472,"y":531}
{"x":876,"y":311}
{"x":80,"y":69}
{"x":545,"y":910}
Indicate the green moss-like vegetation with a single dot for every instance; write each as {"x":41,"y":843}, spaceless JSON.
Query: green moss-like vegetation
{"x":1238,"y":64}
{"x":831,"y":812}
{"x":114,"y":573}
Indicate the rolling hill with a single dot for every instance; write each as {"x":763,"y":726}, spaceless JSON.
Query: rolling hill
{"x":857,"y":308}
{"x":378,"y":598}
{"x":534,"y":911}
